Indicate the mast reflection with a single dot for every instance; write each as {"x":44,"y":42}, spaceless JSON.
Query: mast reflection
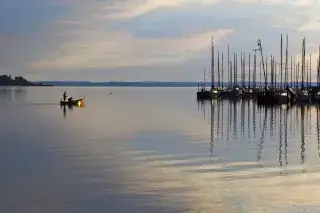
{"x":263,"y":132}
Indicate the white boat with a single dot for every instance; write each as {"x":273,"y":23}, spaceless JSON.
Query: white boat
{"x":282,"y":97}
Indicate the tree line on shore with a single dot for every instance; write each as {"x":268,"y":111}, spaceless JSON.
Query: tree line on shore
{"x":8,"y":80}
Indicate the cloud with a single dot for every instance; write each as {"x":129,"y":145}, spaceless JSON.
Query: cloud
{"x":144,"y":37}
{"x":279,"y":2}
{"x":160,"y":36}
{"x":120,"y":49}
{"x":131,"y":9}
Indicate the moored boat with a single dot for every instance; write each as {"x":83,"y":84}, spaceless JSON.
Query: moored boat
{"x":247,"y":93}
{"x":282,"y":97}
{"x":303,"y":96}
{"x":317,"y":96}
{"x":215,"y":93}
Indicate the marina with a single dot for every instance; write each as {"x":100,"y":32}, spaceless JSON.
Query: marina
{"x":281,"y":81}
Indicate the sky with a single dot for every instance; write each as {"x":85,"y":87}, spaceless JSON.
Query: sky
{"x":134,"y":40}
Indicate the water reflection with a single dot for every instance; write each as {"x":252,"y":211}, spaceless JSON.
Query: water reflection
{"x":234,"y":127}
{"x":69,"y":107}
{"x":157,"y":152}
{"x":64,"y":110}
{"x":318,"y":131}
{"x":264,"y":127}
{"x":302,"y":135}
{"x":12,"y":93}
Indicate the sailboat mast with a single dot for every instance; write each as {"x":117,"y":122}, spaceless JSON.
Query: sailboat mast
{"x":303,"y":64}
{"x":204,"y":79}
{"x":236,"y":66}
{"x":244,"y":69}
{"x":249,"y":71}
{"x":261,"y":73}
{"x":307,"y":72}
{"x":222,"y":69}
{"x":298,"y":68}
{"x":230,"y":73}
{"x":229,"y":65}
{"x":318,"y":71}
{"x":295,"y":71}
{"x":212,"y":64}
{"x":274,"y":72}
{"x":234,"y":69}
{"x":266,"y":80}
{"x":310,"y":71}
{"x":291,"y":71}
{"x":218,"y":68}
{"x":286,"y":70}
{"x":241,"y":69}
{"x":271,"y":71}
{"x":281,"y":62}
{"x":254,"y":70}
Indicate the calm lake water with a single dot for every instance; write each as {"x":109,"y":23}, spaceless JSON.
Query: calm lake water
{"x":154,"y":150}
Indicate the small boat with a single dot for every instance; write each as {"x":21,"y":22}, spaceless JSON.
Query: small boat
{"x":77,"y":102}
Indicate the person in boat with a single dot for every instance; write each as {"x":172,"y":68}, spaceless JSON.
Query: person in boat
{"x":64,"y":96}
{"x":70,"y":99}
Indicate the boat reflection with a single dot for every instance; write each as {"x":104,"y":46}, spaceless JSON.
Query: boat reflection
{"x":70,"y":108}
{"x":237,"y":126}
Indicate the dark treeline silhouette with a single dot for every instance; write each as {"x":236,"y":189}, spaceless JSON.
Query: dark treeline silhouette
{"x":7,"y":80}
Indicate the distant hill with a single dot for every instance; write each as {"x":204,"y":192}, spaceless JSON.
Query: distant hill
{"x":7,"y":80}
{"x":141,"y":84}
{"x":121,"y":84}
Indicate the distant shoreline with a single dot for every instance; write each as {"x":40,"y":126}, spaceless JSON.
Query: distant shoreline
{"x":8,"y":81}
{"x":147,"y":84}
{"x":27,"y":85}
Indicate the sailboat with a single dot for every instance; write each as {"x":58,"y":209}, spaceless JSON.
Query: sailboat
{"x":303,"y":94}
{"x":282,"y":97}
{"x":214,"y":91}
{"x":317,"y":95}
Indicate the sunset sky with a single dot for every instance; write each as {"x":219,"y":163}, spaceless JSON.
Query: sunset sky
{"x":126,"y":40}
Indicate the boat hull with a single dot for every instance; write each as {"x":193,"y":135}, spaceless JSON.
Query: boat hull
{"x":303,"y":98}
{"x":77,"y":102}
